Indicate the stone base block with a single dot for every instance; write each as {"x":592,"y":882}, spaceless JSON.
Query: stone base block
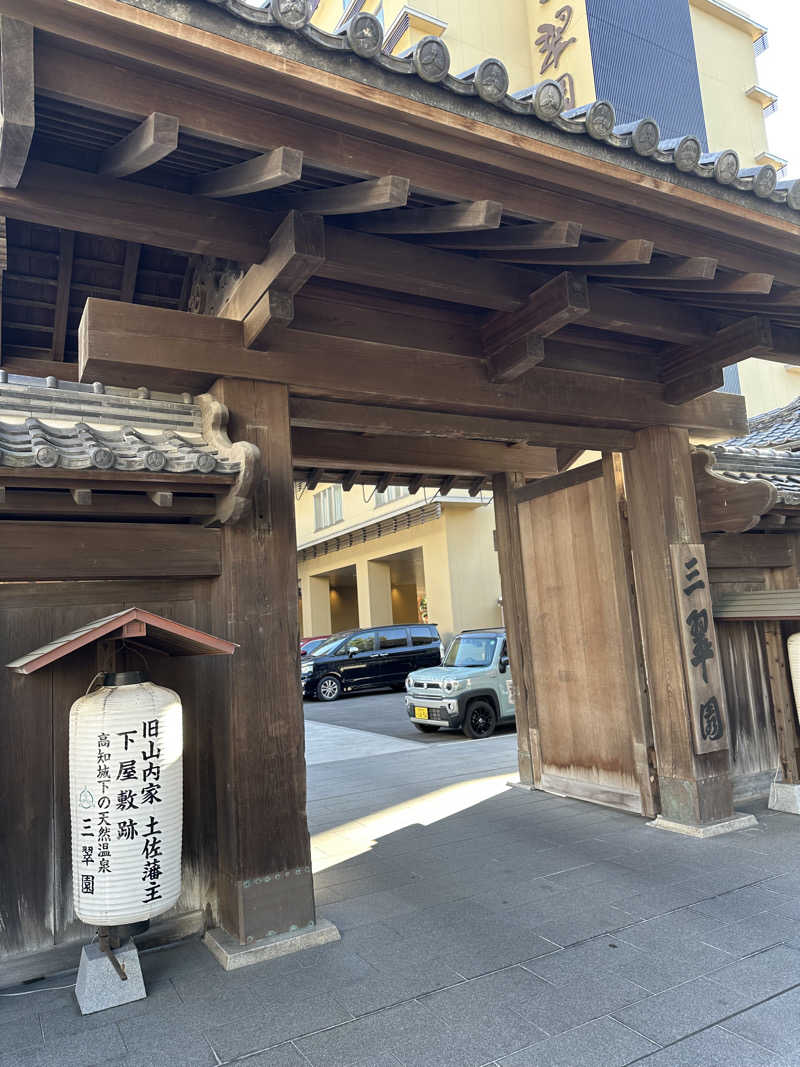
{"x":232,"y":955}
{"x":99,"y":986}
{"x":785,"y":796}
{"x":739,"y":821}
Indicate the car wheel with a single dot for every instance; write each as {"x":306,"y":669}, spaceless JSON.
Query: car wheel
{"x":480,"y":720}
{"x":425,"y":727}
{"x":329,"y":688}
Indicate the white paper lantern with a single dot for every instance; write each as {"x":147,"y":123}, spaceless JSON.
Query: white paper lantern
{"x":126,"y":801}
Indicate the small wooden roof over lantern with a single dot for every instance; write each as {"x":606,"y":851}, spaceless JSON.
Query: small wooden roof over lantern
{"x":139,"y":629}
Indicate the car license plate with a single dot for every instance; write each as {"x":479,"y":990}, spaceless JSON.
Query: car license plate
{"x":420,"y":713}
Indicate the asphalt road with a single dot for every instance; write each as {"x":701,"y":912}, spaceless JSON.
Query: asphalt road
{"x":382,"y":713}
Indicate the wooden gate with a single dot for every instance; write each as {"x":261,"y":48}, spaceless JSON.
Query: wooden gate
{"x":593,"y":721}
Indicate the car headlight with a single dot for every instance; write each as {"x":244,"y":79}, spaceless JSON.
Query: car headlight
{"x":409,"y":682}
{"x":451,"y":686}
{"x":306,"y":669}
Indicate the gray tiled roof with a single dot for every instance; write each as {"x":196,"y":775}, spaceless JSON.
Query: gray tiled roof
{"x":543,"y":103}
{"x":779,"y":467}
{"x":48,"y":423}
{"x":780,"y":427}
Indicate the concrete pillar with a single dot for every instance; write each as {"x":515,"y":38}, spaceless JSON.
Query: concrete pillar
{"x":374,"y":580}
{"x":316,"y":593}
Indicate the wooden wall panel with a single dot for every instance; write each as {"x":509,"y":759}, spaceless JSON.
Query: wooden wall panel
{"x":589,"y":702}
{"x":63,"y":550}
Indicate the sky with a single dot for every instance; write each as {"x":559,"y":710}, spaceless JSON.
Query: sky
{"x":779,"y":72}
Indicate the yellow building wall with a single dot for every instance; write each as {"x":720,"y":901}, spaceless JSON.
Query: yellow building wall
{"x":474,"y":568}
{"x":727,"y":66}
{"x":767,"y":386}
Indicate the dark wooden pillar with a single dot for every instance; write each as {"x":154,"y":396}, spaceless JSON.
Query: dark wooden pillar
{"x":264,"y":849}
{"x":515,"y":615}
{"x":662,"y":509}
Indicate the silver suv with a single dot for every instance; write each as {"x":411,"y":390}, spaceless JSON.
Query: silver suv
{"x":471,"y":691}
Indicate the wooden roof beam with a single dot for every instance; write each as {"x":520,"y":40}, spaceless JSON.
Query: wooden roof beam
{"x":263,"y":300}
{"x":743,"y":284}
{"x":349,"y":480}
{"x":375,"y":194}
{"x":333,"y":449}
{"x":130,"y":271}
{"x":315,"y":414}
{"x":124,"y":344}
{"x":678,"y":268}
{"x":282,"y":166}
{"x":150,"y":142}
{"x":449,"y":218}
{"x":586,"y":255}
{"x":646,"y":316}
{"x":17,"y":117}
{"x":687,"y":374}
{"x":512,"y":341}
{"x":66,"y":257}
{"x":531,"y":237}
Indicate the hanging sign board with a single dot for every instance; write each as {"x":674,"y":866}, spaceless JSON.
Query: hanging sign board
{"x":701,"y":664}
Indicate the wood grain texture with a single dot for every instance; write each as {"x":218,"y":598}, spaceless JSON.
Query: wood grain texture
{"x":17,"y":113}
{"x":53,"y":550}
{"x":783,"y":704}
{"x":281,"y":166}
{"x":152,"y":140}
{"x":262,"y":794}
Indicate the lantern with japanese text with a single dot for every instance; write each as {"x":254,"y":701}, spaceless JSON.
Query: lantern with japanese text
{"x":126,"y":800}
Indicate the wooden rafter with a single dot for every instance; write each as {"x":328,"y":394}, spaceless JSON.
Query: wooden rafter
{"x":743,"y":284}
{"x":66,"y":254}
{"x":17,"y":116}
{"x":376,"y":194}
{"x":150,"y":142}
{"x":130,"y":270}
{"x":589,"y":254}
{"x":282,"y":166}
{"x":645,"y":316}
{"x":537,"y":235}
{"x":678,"y":268}
{"x":450,"y":218}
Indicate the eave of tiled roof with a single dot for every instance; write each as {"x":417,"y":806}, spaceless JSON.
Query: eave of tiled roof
{"x":779,"y":428}
{"x":542,"y":105}
{"x":47,"y":423}
{"x":779,"y":467}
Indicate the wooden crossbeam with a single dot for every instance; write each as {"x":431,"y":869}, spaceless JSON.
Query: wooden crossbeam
{"x":446,"y":485}
{"x":337,"y":450}
{"x":315,"y":414}
{"x":150,"y":142}
{"x":593,"y":254}
{"x":313,"y":479}
{"x":512,"y":341}
{"x":415,"y":484}
{"x":743,"y":284}
{"x":349,"y":480}
{"x":17,"y":116}
{"x":67,"y":199}
{"x":383,"y":482}
{"x":380,"y":262}
{"x":125,"y":344}
{"x":679,"y":268}
{"x":689,"y":370}
{"x":537,"y":235}
{"x":66,"y":256}
{"x":449,"y":218}
{"x":263,"y":300}
{"x":282,"y":166}
{"x":645,"y":316}
{"x":375,"y":194}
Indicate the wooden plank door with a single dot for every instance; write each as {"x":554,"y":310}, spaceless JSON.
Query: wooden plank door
{"x":591,"y":709}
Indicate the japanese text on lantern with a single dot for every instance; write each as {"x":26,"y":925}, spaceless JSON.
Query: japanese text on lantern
{"x":701,"y":664}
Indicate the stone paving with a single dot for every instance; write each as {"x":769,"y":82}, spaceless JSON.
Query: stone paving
{"x":481,"y":925}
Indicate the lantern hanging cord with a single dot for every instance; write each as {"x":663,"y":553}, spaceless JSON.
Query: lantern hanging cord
{"x":125,"y":647}
{"x":91,"y":684}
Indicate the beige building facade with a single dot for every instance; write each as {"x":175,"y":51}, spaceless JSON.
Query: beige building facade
{"x":371,"y":559}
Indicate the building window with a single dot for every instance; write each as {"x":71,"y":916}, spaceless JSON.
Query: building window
{"x":761,"y":45}
{"x":328,"y":507}
{"x":394,"y":492}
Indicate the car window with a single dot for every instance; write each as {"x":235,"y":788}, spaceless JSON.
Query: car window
{"x":361,"y":642}
{"x":422,"y":635}
{"x":327,"y":648}
{"x":468,"y":651}
{"x":392,"y":638}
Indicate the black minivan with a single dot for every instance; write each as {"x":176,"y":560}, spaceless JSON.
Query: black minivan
{"x":369,"y":659}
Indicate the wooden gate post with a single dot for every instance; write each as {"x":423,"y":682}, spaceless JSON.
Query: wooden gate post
{"x":515,"y":615}
{"x":264,"y":849}
{"x":695,"y":789}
